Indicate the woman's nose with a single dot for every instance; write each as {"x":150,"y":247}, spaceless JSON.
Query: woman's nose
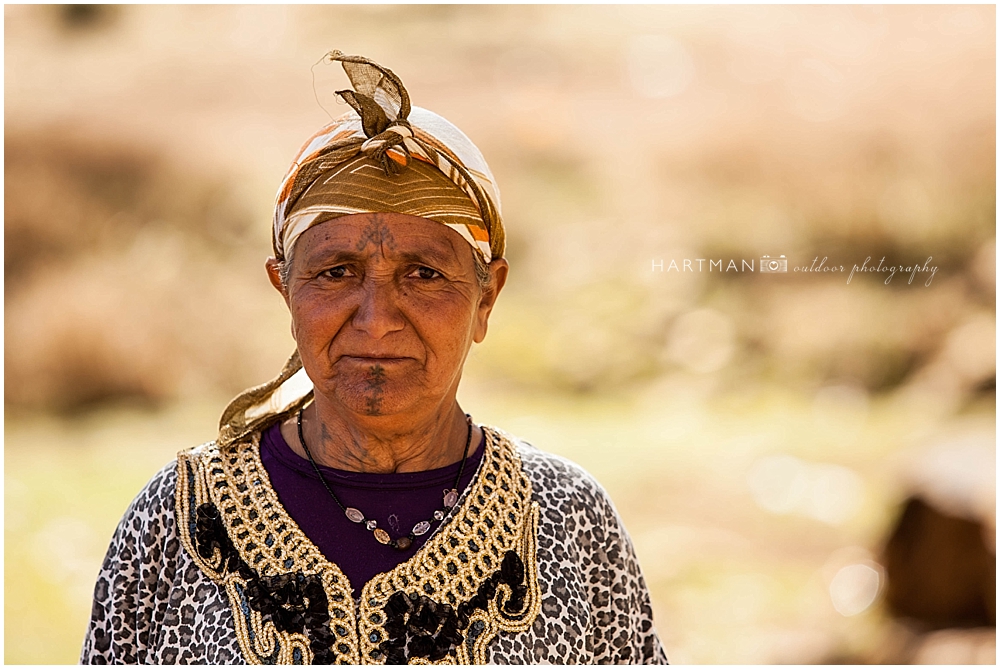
{"x":378,"y":314}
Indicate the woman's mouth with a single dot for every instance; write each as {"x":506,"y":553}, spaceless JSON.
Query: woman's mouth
{"x":373,"y":359}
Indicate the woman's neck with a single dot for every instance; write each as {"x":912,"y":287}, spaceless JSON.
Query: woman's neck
{"x":383,"y":444}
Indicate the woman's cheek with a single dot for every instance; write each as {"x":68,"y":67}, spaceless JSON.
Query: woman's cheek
{"x":318,"y":318}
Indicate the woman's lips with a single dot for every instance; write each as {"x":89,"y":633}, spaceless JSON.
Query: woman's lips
{"x":373,"y":360}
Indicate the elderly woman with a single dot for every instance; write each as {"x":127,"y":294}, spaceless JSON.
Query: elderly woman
{"x":349,"y":511}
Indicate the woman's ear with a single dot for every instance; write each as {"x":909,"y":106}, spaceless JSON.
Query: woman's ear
{"x":273,"y":268}
{"x":498,"y":277}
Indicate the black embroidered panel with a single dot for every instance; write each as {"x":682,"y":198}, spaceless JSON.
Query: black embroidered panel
{"x":294,"y":602}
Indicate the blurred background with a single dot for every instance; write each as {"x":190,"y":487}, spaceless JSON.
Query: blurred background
{"x":806,"y":465}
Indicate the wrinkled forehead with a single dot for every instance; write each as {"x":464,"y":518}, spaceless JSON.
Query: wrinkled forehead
{"x":390,"y":236}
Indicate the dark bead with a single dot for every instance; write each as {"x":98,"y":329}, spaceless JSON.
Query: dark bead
{"x":395,"y":627}
{"x":516,"y":601}
{"x":511,"y":569}
{"x":513,"y":605}
{"x":323,"y":657}
{"x":421,"y":646}
{"x":398,"y":604}
{"x":321,"y":637}
{"x":439,"y":652}
{"x":478,"y":602}
{"x":449,"y":630}
{"x":208,"y":510}
{"x":403,"y":543}
{"x":423,"y":621}
{"x":487,"y":589}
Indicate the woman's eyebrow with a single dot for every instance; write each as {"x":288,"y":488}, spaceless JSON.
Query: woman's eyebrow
{"x":335,"y":256}
{"x":328,"y":257}
{"x":428,"y":255}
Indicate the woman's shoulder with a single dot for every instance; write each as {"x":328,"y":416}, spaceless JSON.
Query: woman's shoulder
{"x":553,"y":475}
{"x":158,"y":496}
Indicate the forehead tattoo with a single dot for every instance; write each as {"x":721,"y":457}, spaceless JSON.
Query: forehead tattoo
{"x":377,"y":233}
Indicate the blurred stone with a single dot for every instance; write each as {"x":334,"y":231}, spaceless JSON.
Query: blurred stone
{"x":939,"y":570}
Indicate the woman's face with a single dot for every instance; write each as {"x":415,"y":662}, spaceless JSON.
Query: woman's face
{"x":384,"y":310}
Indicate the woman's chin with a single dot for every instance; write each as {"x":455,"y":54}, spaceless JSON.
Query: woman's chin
{"x":390,"y":396}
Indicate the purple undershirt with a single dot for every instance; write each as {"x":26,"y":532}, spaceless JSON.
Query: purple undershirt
{"x":396,"y":502}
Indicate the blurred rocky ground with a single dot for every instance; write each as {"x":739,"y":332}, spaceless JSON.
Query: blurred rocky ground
{"x":143,"y":145}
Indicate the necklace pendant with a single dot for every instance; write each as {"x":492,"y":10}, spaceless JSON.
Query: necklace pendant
{"x":450,"y":498}
{"x":354,"y":515}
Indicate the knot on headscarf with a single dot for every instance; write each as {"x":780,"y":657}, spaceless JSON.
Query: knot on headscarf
{"x":383,"y":104}
{"x":380,"y":147}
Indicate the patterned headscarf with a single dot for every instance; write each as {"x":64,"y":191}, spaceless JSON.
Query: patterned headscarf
{"x":389,"y":157}
{"x":386,"y":156}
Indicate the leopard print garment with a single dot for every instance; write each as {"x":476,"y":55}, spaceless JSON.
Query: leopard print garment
{"x":154,"y":603}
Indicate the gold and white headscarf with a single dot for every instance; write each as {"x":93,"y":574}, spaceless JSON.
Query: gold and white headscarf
{"x":389,"y":157}
{"x":385,"y":156}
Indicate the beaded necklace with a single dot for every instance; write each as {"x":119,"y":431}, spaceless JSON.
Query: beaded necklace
{"x":421,"y":528}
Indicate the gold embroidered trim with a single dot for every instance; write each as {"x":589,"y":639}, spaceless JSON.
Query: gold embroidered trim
{"x":494,"y":515}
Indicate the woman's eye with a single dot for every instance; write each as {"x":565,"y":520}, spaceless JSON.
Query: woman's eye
{"x":336,"y":272}
{"x":427,"y":273}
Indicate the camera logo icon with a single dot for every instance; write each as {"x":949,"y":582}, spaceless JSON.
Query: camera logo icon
{"x":773,"y":265}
